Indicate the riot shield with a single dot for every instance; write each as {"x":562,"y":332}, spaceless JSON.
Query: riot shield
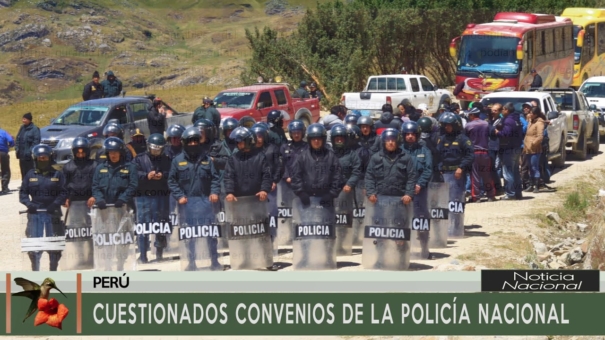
{"x":456,"y":207}
{"x":358,"y":213}
{"x":386,"y":243}
{"x":173,"y":239}
{"x":420,"y":224}
{"x":78,"y":254}
{"x":198,"y":234}
{"x":344,"y":223}
{"x":272,"y":197}
{"x":219,"y":210}
{"x":438,"y":199}
{"x":314,"y":235}
{"x":250,"y":244}
{"x":152,"y":219}
{"x":285,"y":195}
{"x":113,"y":239}
{"x":43,"y":232}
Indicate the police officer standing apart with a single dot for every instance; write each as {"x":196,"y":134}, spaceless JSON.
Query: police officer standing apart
{"x":94,"y":89}
{"x":153,"y":169}
{"x":43,"y":188}
{"x":156,"y":120}
{"x":301,"y":92}
{"x":27,"y":137}
{"x":275,"y":119}
{"x":314,"y":92}
{"x":112,"y":86}
{"x":207,"y":111}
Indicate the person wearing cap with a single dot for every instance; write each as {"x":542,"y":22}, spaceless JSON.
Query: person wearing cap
{"x":302,"y":92}
{"x":477,"y":131}
{"x":27,"y":137}
{"x":156,"y":119}
{"x":314,"y":92}
{"x":94,"y":89}
{"x":112,"y":86}
{"x":537,"y":82}
{"x":207,"y":111}
{"x":6,"y":142}
{"x":138,"y":144}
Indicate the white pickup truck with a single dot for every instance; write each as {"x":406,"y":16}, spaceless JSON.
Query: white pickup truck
{"x":594,"y":90}
{"x":393,"y":89}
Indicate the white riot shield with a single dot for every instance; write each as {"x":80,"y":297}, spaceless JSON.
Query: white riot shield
{"x":272,"y":196}
{"x":314,"y":235}
{"x":456,"y":206}
{"x":78,"y":254}
{"x":153,"y":225}
{"x":285,"y":196}
{"x":113,"y":239}
{"x":43,"y":233}
{"x":359,"y":213}
{"x":198,"y":233}
{"x":420,"y":224}
{"x":344,"y":205}
{"x":250,"y":244}
{"x":386,"y":243}
{"x":438,"y":199}
{"x":173,"y":239}
{"x":219,"y":210}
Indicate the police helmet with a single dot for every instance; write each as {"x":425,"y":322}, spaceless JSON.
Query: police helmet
{"x":241,"y":134}
{"x":390,"y":133}
{"x":42,"y":150}
{"x":206,"y":128}
{"x":365,"y":120}
{"x":80,"y":143}
{"x":351,"y":119}
{"x":175,"y":130}
{"x":156,"y":142}
{"x":353,"y":134}
{"x":275,"y":118}
{"x":264,"y":124}
{"x":317,"y":130}
{"x":247,"y":122}
{"x":189,"y":134}
{"x":338,"y":131}
{"x":450,"y":118}
{"x":114,"y":144}
{"x":207,"y":100}
{"x":260,"y":129}
{"x":425,"y":124}
{"x":113,"y":128}
{"x":114,"y":121}
{"x":297,"y":125}
{"x":229,"y":124}
{"x":410,"y":127}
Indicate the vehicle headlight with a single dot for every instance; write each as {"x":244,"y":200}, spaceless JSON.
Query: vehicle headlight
{"x":65,"y":143}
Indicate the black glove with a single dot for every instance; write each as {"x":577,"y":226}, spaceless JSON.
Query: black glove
{"x":101,"y":205}
{"x":31,"y":209}
{"x":327,"y":200}
{"x":304,"y":198}
{"x":119,"y":204}
{"x":52,"y":208}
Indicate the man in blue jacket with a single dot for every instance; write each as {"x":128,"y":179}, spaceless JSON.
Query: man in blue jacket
{"x":6,"y":142}
{"x":510,"y":133}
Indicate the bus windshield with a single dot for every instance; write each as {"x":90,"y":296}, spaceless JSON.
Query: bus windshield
{"x":578,"y":50}
{"x":488,"y":54}
{"x":593,"y":90}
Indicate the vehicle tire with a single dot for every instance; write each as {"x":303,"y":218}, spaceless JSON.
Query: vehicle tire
{"x":559,"y":162}
{"x":582,"y":151}
{"x":306,"y":120}
{"x":595,"y":139}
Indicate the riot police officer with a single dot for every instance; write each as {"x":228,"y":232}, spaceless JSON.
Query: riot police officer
{"x":342,"y":143}
{"x":218,"y":152}
{"x":175,"y":147}
{"x":275,"y":119}
{"x":228,"y":126}
{"x":43,"y":188}
{"x":247,"y":122}
{"x":431,"y":140}
{"x":271,"y":152}
{"x":195,"y":184}
{"x":112,"y":130}
{"x":290,"y":150}
{"x":352,"y":118}
{"x":79,"y":172}
{"x":152,"y":195}
{"x":115,"y":181}
{"x":207,"y":111}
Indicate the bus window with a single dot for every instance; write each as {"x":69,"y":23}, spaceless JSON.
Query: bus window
{"x":588,"y":49}
{"x":549,"y":42}
{"x":559,"y":42}
{"x":539,"y":43}
{"x":578,"y":50}
{"x":601,"y":38}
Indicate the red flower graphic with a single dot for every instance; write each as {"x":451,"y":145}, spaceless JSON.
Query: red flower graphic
{"x":51,"y":313}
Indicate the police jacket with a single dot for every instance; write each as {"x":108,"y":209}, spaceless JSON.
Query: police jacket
{"x":315,"y":94}
{"x":93,"y":91}
{"x":431,"y":141}
{"x":172,"y":151}
{"x":364,"y":158}
{"x":391,"y":173}
{"x":272,"y":154}
{"x":78,"y":179}
{"x":137,"y":148}
{"x":288,"y":153}
{"x":193,"y":177}
{"x":229,"y":146}
{"x":101,"y":157}
{"x":511,"y":135}
{"x":424,"y":161}
{"x":27,"y":138}
{"x":301,"y":92}
{"x":371,"y":142}
{"x":350,"y":163}
{"x":247,"y":173}
{"x":111,"y":88}
{"x":113,"y":182}
{"x":318,"y":173}
{"x":218,"y":152}
{"x":40,"y":190}
{"x":156,"y":121}
{"x":145,"y":164}
{"x":281,"y":134}
{"x":456,"y":152}
{"x":274,"y":138}
{"x":211,"y":113}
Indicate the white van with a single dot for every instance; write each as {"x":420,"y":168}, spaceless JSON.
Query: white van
{"x":594,"y":91}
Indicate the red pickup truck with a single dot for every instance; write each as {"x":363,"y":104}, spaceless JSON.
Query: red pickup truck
{"x":258,"y":100}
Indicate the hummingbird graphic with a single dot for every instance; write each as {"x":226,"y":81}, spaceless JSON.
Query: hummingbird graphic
{"x":35,"y":292}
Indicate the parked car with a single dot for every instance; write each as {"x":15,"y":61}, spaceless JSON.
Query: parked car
{"x":89,"y":118}
{"x":582,"y":124}
{"x":392,"y":89}
{"x":557,"y":129}
{"x":594,"y":91}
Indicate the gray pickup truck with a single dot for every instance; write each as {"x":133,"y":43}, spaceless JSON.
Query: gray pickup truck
{"x":89,"y":118}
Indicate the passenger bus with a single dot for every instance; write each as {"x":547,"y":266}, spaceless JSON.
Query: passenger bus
{"x":499,"y":56}
{"x":589,"y":34}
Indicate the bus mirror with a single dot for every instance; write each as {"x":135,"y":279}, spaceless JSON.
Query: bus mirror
{"x":519,"y":52}
{"x":580,"y":41}
{"x":454,"y":47}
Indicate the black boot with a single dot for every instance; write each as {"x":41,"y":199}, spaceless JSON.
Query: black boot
{"x":159,"y":254}
{"x":536,"y":185}
{"x":530,"y":187}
